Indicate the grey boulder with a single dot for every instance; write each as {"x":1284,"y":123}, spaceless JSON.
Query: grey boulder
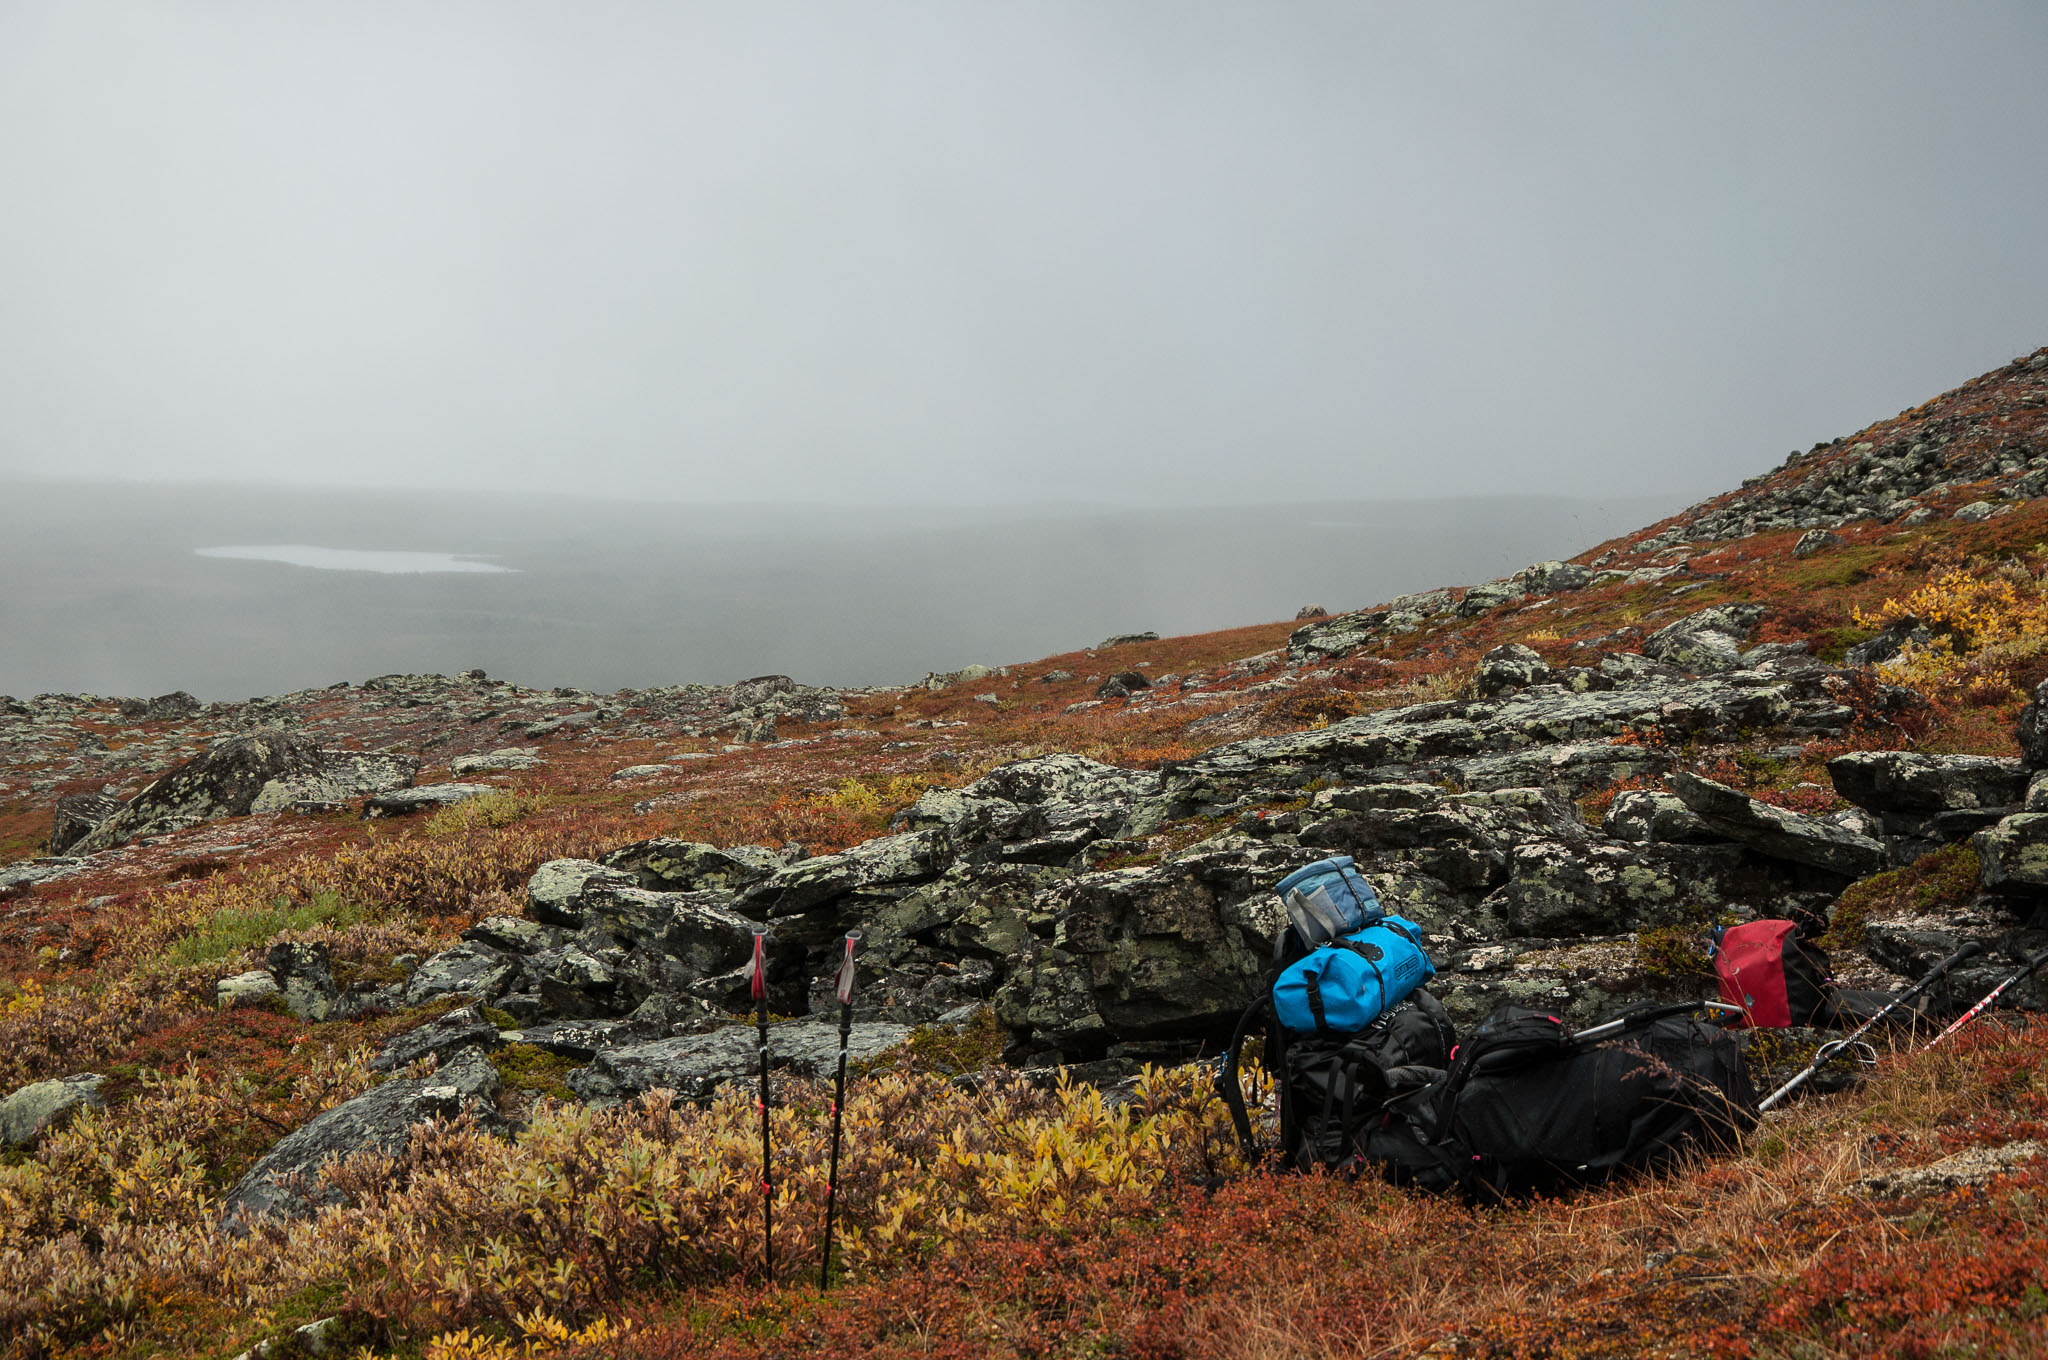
{"x":2014,"y":854}
{"x":667,"y":865}
{"x":1510,"y":666}
{"x":34,"y":1110}
{"x":1907,"y":781}
{"x":341,"y":776}
{"x":2032,"y":729}
{"x":305,"y":978}
{"x":76,"y":816}
{"x":223,"y":781}
{"x":288,"y":1182}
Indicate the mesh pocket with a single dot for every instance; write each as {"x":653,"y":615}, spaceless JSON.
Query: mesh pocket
{"x":1318,"y":916}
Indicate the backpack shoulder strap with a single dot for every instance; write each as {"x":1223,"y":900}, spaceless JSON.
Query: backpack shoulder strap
{"x":1228,"y":1085}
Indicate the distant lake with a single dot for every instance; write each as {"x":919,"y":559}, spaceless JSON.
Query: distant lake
{"x":129,"y":590}
{"x":351,"y":559}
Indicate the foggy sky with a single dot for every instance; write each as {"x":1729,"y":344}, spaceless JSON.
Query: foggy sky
{"x":974,"y":253}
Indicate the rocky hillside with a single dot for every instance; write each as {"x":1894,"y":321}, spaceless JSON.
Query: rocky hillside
{"x":385,"y":905}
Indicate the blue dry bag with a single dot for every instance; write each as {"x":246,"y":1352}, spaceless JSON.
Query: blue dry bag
{"x":1327,"y":899}
{"x":1344,"y":985}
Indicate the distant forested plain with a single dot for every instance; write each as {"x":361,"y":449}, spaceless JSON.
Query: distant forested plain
{"x":105,"y":591}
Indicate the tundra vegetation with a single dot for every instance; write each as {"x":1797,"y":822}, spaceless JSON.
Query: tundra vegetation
{"x":986,"y":1210}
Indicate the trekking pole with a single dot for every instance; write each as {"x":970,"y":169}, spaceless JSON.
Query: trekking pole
{"x":838,"y":1105}
{"x":1827,"y":1052}
{"x":2033,"y":965}
{"x":1721,"y":1010}
{"x":767,"y":1181}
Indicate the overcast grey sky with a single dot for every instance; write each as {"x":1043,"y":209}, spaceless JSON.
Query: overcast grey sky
{"x":985,"y":252}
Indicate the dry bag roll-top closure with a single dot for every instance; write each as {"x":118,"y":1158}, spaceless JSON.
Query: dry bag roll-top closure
{"x":1360,"y":962}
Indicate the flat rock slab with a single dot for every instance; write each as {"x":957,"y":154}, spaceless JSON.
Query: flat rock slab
{"x":403,"y":802}
{"x":1971,"y":1166}
{"x":1776,"y":832}
{"x":696,"y":1065}
{"x":29,"y":872}
{"x":506,"y":758}
{"x":1907,"y":781}
{"x":34,"y":1110}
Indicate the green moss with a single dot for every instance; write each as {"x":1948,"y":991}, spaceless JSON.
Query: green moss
{"x":1950,"y":874}
{"x":502,"y":1019}
{"x":1674,"y":953}
{"x":532,"y":1069}
{"x":976,"y":1046}
{"x":235,"y":931}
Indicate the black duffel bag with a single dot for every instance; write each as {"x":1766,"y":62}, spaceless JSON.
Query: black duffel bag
{"x":1528,"y":1108}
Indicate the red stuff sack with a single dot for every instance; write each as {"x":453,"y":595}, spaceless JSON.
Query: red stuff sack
{"x":1777,"y":976}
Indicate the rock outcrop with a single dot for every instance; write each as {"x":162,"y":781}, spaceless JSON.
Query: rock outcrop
{"x":261,"y":771}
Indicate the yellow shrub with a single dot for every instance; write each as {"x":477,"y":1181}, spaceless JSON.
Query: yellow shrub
{"x":1983,"y":618}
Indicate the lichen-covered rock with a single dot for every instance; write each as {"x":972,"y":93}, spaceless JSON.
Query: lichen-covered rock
{"x":1558,"y":890}
{"x":694,"y":1066}
{"x":473,"y":970}
{"x":504,"y":758}
{"x":305,"y":978}
{"x":288,"y":1181}
{"x":1888,"y":643}
{"x":426,"y":797}
{"x":513,"y":935}
{"x":1552,"y":578}
{"x":886,"y":867}
{"x":1434,"y":733}
{"x":1488,"y":595}
{"x":667,"y":865}
{"x":221,"y":782}
{"x":1907,"y":781}
{"x":253,"y":988}
{"x":1708,"y":641}
{"x":2014,"y":854}
{"x":457,"y":1030}
{"x":1574,"y":768}
{"x":2032,"y":729}
{"x":29,"y":1113}
{"x":1167,"y":950}
{"x":1582,"y":981}
{"x":1510,"y":666}
{"x":1778,"y":833}
{"x":554,"y":890}
{"x":1650,"y":816}
{"x":77,"y":816}
{"x":342,"y":776}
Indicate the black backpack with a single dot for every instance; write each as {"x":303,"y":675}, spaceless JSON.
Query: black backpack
{"x":1332,"y":1086}
{"x":1527,"y":1107}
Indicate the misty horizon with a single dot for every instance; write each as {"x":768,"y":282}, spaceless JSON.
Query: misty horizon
{"x":114,"y":596}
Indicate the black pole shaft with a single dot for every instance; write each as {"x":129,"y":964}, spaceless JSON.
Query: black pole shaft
{"x":843,"y":985}
{"x":832,"y":1172}
{"x":1829,"y":1050}
{"x":1991,"y":998}
{"x":767,"y":1180}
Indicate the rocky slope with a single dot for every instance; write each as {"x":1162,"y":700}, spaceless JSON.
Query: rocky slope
{"x":1567,"y":776}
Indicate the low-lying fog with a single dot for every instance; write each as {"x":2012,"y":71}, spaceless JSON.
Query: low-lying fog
{"x":234,"y":592}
